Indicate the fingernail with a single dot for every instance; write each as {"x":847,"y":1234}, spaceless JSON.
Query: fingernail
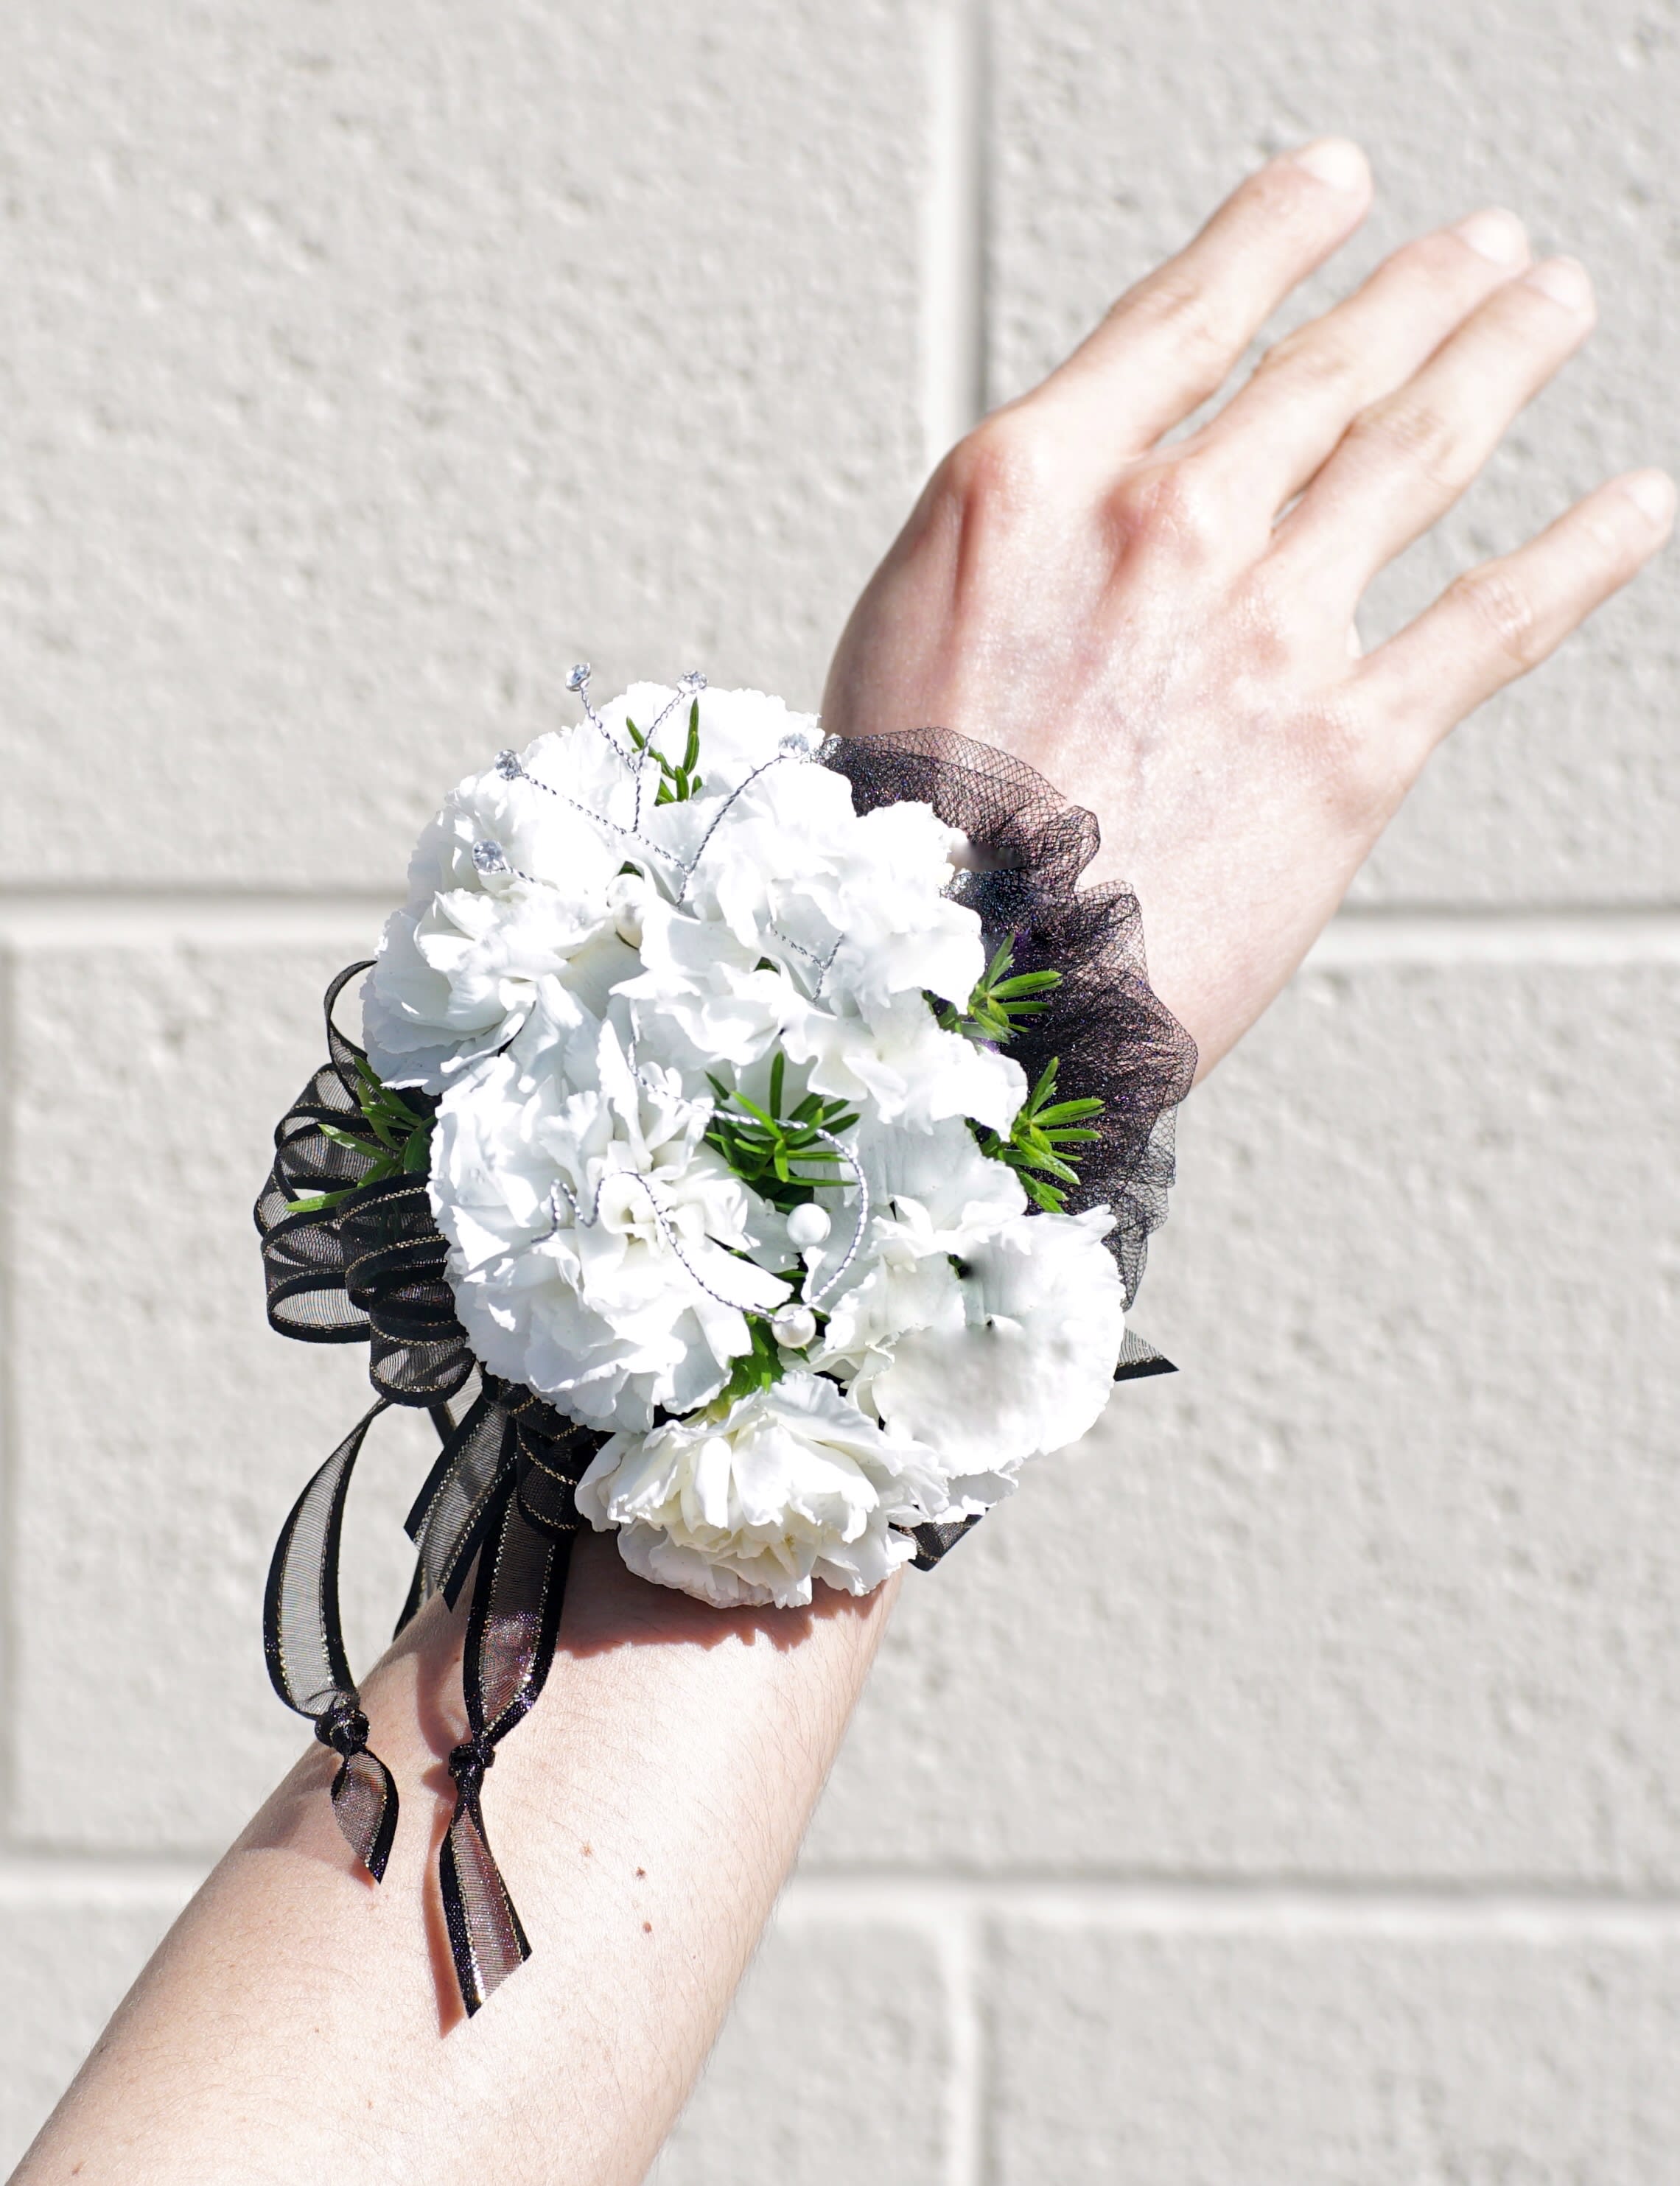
{"x":1564,"y":281}
{"x":1652,"y":493}
{"x":1335,"y":160}
{"x":1496,"y":234}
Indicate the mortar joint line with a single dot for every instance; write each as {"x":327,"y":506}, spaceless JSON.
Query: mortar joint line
{"x":11,"y":1048}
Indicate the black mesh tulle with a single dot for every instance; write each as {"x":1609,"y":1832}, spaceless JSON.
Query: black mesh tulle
{"x":372,"y":1270}
{"x":1113,"y":1040}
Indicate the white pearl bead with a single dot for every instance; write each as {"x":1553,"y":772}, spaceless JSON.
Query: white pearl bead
{"x":808,"y":1225}
{"x":794,"y":1326}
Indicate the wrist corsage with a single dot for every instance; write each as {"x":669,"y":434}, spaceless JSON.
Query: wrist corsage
{"x":751,"y":1152}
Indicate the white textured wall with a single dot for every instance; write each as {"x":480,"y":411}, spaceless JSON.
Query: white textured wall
{"x":1307,"y":1809}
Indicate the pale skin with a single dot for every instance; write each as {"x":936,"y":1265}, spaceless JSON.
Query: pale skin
{"x":1167,"y":633}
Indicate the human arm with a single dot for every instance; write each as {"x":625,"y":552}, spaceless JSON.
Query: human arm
{"x":1057,"y":593}
{"x":299,"y":2023}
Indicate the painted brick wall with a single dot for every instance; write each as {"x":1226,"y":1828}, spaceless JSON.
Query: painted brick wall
{"x":1309,"y":1811}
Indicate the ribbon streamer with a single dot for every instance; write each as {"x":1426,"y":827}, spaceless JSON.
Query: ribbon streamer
{"x":511,"y":1631}
{"x":304,"y":1642}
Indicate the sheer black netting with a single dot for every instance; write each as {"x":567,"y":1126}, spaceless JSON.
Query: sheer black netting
{"x":1113,"y":1040}
{"x":349,"y":1261}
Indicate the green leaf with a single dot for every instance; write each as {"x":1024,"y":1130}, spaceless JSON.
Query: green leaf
{"x":999,"y":999}
{"x":318,"y":1201}
{"x":342,"y":1138}
{"x":756,"y":1369}
{"x":1037,"y":1147}
{"x":1073,"y":1111}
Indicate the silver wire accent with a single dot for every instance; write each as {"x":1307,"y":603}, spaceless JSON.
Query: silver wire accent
{"x":739,"y":790}
{"x":814,"y":1298}
{"x":793,"y":747}
{"x":589,"y":1220}
{"x":824,"y":964}
{"x":646,"y":756}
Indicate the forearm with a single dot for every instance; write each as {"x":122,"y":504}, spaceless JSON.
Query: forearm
{"x":645,"y":1816}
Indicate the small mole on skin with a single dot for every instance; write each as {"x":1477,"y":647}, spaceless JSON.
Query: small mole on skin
{"x":647,"y":1927}
{"x":642,"y":1875}
{"x":589,"y":1852}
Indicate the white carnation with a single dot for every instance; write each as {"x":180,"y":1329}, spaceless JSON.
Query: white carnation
{"x":897,"y":1061}
{"x":698,"y":980}
{"x":854,"y":905}
{"x":461,"y":964}
{"x":793,"y":1484}
{"x":1014,"y":1352}
{"x":986,"y":1333}
{"x":596,"y":1239}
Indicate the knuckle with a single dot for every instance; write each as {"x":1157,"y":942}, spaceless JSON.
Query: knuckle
{"x":1415,"y":436}
{"x":1505,"y":611}
{"x":1183,"y":311}
{"x":1320,"y":359}
{"x":1174,"y":505}
{"x":999,"y":468}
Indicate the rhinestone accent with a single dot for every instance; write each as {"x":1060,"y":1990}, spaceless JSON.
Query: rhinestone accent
{"x":694,"y":681}
{"x":799,"y":743}
{"x":579,"y":678}
{"x":491,"y":858}
{"x":509,"y":765}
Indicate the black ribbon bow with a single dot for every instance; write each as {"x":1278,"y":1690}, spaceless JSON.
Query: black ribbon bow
{"x":369,"y":1268}
{"x":366,"y":1265}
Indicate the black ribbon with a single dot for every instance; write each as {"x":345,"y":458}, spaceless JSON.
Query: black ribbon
{"x":304,"y":1642}
{"x":511,"y":1631}
{"x":370,"y":1269}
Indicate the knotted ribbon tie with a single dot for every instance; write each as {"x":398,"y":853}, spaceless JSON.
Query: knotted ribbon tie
{"x":511,"y":1631}
{"x":370,"y":1269}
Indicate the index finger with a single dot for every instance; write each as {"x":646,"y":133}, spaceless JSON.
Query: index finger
{"x":1171,"y":341}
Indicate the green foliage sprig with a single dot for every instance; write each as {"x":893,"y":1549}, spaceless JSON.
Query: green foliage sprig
{"x":680,"y":779}
{"x":1000,"y":999}
{"x":781,"y":1157}
{"x":757,"y":1369}
{"x":397,"y":1138}
{"x":1037,"y":1145}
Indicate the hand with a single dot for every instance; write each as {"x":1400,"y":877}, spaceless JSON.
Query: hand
{"x":1167,"y":633}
